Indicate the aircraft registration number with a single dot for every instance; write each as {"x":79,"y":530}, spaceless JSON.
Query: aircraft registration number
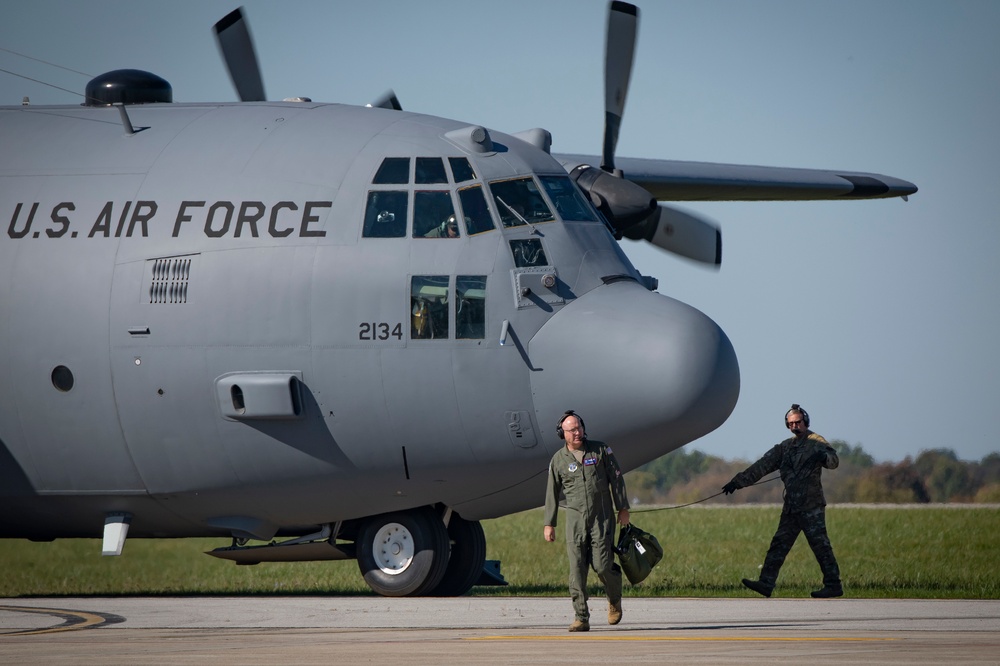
{"x":379,"y":330}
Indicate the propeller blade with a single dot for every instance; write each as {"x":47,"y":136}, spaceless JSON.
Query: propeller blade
{"x":681,"y":232}
{"x":387,"y":100}
{"x":233,"y":36}
{"x":619,"y":49}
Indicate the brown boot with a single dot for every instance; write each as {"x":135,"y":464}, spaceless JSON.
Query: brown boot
{"x":580,"y":625}
{"x":614,"y":613}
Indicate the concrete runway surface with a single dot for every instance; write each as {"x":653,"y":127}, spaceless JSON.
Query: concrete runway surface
{"x":494,"y":630}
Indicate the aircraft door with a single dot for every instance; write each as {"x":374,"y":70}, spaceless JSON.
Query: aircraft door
{"x":56,"y":385}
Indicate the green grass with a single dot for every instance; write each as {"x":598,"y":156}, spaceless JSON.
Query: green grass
{"x":936,"y":552}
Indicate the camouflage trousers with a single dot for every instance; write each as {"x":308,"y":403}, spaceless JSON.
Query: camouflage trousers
{"x":813,"y":524}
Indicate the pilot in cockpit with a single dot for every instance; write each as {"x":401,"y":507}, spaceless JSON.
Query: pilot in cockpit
{"x":447,"y":229}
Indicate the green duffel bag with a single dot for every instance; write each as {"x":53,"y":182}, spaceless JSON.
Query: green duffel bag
{"x":638,"y":552}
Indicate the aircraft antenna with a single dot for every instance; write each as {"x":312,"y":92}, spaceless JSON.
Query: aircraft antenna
{"x":50,"y":85}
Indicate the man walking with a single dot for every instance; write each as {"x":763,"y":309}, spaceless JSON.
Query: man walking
{"x":800,"y":460}
{"x":589,"y":476}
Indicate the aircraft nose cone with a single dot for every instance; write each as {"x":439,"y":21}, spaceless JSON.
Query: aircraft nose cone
{"x":646,"y":372}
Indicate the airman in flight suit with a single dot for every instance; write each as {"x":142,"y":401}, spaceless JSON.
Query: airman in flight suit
{"x":800,"y":459}
{"x":588,"y":475}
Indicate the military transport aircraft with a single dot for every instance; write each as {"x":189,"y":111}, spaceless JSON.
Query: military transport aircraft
{"x":345,"y":331}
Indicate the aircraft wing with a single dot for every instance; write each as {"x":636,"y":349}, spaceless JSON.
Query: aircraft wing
{"x":673,"y":180}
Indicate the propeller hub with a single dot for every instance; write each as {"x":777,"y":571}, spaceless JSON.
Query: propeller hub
{"x":621,"y":201}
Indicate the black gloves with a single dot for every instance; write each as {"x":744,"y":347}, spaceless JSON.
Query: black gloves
{"x":816,"y":459}
{"x":730,"y":488}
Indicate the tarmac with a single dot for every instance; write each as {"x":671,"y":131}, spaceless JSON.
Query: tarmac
{"x":494,"y":630}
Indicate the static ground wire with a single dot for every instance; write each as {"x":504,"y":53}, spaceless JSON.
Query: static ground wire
{"x":704,"y":499}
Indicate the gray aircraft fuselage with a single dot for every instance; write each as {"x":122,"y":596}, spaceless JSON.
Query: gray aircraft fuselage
{"x":204,"y":324}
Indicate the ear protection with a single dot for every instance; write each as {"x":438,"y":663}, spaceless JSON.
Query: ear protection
{"x":566,"y":415}
{"x":798,"y":409}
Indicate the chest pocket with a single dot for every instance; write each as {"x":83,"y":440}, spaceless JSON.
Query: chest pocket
{"x":579,"y":474}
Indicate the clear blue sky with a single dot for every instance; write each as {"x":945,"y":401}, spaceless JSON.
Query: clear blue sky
{"x":882,"y":318}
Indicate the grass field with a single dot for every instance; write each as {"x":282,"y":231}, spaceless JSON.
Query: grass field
{"x":926,"y":552}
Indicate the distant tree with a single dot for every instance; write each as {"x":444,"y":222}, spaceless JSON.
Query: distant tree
{"x":945,"y":476}
{"x":855,"y":456}
{"x":986,"y":472}
{"x":652,"y":482}
{"x":988,"y":494}
{"x":678,"y":466}
{"x":841,"y":485}
{"x":937,"y":475}
{"x":891,"y":483}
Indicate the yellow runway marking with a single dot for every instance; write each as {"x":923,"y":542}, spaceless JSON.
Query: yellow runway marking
{"x":759,"y":639}
{"x":72,"y":620}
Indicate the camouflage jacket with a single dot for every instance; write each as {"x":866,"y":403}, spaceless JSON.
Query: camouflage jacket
{"x":800,"y":461}
{"x":590,"y":486}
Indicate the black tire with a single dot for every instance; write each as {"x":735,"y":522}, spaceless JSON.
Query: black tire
{"x":468,"y":555}
{"x":403,"y":554}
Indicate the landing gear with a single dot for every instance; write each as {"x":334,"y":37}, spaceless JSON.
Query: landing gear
{"x":468,"y":555}
{"x":403,"y":554}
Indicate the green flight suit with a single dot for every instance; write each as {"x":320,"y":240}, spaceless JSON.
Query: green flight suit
{"x":595,"y":492}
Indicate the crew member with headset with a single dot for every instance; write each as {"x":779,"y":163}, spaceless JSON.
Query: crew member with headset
{"x":587,"y":473}
{"x":800,"y":459}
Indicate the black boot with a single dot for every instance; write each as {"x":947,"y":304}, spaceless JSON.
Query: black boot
{"x":828,"y":592}
{"x":759,"y":587}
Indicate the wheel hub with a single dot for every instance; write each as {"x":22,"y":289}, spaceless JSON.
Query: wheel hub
{"x":393,"y":548}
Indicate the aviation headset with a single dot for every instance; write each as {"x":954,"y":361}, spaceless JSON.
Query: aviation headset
{"x":798,"y":409}
{"x":566,"y":415}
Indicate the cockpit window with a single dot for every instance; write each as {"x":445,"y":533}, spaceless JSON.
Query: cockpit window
{"x":474,"y":209}
{"x":519,"y":202}
{"x":434,"y":215}
{"x":528,"y":253}
{"x":385,"y":215}
{"x":567,"y":198}
{"x":430,"y":170}
{"x":470,"y":307}
{"x":393,"y":171}
{"x":461,"y":169}
{"x":429,"y":307}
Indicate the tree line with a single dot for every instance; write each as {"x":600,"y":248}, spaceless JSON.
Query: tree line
{"x":936,"y":475}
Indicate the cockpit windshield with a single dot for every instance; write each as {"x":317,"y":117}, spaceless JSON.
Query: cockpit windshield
{"x":568,"y":199}
{"x":519,"y":202}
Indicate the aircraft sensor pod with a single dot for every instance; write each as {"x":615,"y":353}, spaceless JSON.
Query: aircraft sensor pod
{"x":260,"y":395}
{"x":473,"y":139}
{"x":128,"y":86}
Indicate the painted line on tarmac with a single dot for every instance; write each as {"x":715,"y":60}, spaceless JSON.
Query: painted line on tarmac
{"x":760,"y":639}
{"x":72,"y":620}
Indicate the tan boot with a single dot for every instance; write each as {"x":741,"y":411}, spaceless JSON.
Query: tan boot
{"x":614,"y":613}
{"x":580,"y":625}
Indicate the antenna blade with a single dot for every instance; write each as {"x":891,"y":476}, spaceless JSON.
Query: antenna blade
{"x":233,"y":36}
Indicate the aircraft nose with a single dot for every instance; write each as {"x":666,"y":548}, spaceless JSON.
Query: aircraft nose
{"x":647,"y":373}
